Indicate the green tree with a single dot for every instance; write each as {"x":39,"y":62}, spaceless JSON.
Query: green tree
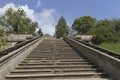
{"x":83,"y":24}
{"x":61,"y":28}
{"x":33,"y":27}
{"x":116,"y":25}
{"x":2,"y":32}
{"x":3,"y":39}
{"x":18,"y":22}
{"x":103,"y":32}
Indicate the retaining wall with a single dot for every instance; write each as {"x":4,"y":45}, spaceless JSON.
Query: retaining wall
{"x":8,"y":63}
{"x":108,"y":63}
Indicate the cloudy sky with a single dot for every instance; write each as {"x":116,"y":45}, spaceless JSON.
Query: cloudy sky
{"x":48,"y":12}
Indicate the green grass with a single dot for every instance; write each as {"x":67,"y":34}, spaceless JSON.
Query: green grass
{"x":111,"y":46}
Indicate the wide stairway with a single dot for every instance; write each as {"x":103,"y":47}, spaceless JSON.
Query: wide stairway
{"x":54,"y":59}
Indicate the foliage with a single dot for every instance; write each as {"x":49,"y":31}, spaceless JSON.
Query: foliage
{"x":2,"y":32}
{"x":83,"y":24}
{"x":103,"y":34}
{"x":103,"y":31}
{"x":111,"y":46}
{"x":61,"y":28}
{"x":3,"y":39}
{"x":116,"y":25}
{"x":18,"y":22}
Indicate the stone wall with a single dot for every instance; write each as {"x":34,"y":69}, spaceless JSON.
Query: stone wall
{"x":108,"y":63}
{"x":84,"y":37}
{"x":8,"y":62}
{"x":15,"y":37}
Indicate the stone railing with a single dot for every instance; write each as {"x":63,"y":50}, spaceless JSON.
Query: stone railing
{"x":109,"y":64}
{"x":9,"y":61}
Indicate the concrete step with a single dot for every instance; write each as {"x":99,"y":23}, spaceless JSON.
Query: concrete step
{"x":59,"y":75}
{"x":55,"y":67}
{"x":54,"y":59}
{"x":50,"y":61}
{"x":56,"y":56}
{"x":55,"y":53}
{"x":57,"y":63}
{"x":50,"y":71}
{"x":59,"y":60}
{"x":66,"y":79}
{"x":43,"y":58}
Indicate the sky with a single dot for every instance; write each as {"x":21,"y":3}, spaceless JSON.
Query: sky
{"x":48,"y":12}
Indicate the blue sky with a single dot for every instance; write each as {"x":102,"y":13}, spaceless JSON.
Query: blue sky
{"x":47,"y":12}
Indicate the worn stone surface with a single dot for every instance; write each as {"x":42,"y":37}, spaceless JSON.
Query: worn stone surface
{"x":9,"y":64}
{"x":54,"y":59}
{"x":108,"y":63}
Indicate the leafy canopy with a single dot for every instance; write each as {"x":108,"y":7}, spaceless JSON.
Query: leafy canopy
{"x":61,"y":28}
{"x":103,"y":30}
{"x":18,"y":22}
{"x":83,"y":24}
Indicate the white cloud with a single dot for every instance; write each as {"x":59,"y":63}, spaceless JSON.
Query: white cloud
{"x":30,"y":12}
{"x":38,"y":4}
{"x":3,"y":9}
{"x":45,"y":19}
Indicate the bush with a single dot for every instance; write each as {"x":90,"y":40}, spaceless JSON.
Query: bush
{"x":2,"y":32}
{"x":97,"y":40}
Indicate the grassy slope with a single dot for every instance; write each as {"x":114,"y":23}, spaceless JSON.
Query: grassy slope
{"x":111,"y":46}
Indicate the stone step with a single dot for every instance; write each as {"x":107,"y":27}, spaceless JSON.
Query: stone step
{"x":55,"y":52}
{"x":60,"y":60}
{"x":66,"y":79}
{"x":57,"y":63}
{"x":50,"y":71}
{"x":54,"y":59}
{"x":55,"y":67}
{"x":41,"y":58}
{"x":53,"y":55}
{"x":51,"y":61}
{"x":59,"y":75}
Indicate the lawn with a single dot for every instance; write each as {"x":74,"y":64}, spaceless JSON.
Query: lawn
{"x":111,"y":46}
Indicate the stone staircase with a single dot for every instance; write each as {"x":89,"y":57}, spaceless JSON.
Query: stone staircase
{"x":54,"y":59}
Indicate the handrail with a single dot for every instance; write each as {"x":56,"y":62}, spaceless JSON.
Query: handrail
{"x":108,"y":63}
{"x":105,"y":51}
{"x":6,"y":51}
{"x":17,"y":49}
